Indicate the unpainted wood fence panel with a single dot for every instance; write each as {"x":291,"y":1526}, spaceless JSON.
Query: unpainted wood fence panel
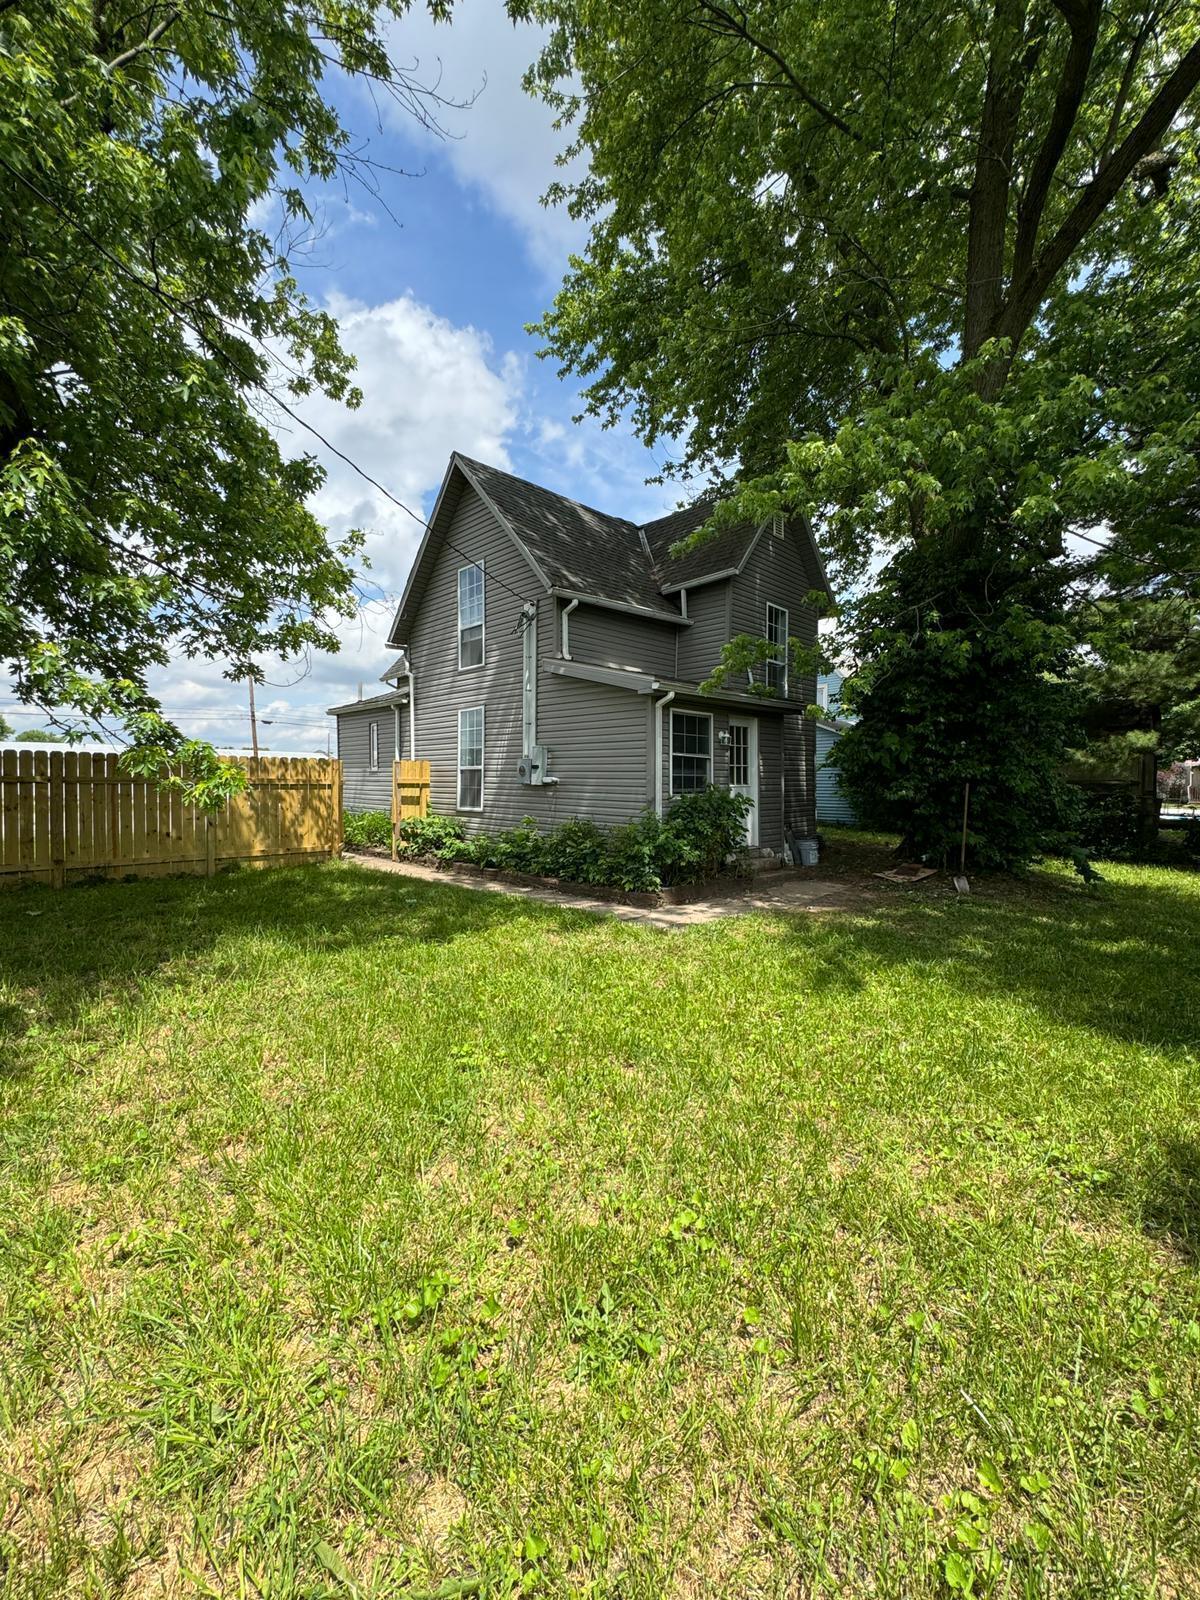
{"x":67,"y":815}
{"x":410,"y":793}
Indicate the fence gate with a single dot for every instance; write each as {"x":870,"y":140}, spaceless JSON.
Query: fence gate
{"x":70,"y":815}
{"x":410,"y":793}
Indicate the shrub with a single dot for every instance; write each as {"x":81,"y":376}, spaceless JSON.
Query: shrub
{"x":429,"y":836}
{"x":700,"y":833}
{"x":1109,"y":822}
{"x":578,"y":850}
{"x":361,"y":828}
{"x":519,"y":849}
{"x":633,"y":854}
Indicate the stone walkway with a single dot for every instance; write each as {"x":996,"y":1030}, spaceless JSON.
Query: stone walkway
{"x":781,"y":892}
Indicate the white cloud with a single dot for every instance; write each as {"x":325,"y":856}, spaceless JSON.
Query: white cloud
{"x":429,"y":387}
{"x":503,"y":145}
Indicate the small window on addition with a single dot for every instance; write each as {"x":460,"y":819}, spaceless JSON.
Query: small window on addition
{"x":373,"y":730}
{"x":691,"y":751}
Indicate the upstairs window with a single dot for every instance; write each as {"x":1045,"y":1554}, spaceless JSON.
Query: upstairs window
{"x":373,"y":730}
{"x":691,"y":751}
{"x":470,"y":759}
{"x":470,"y":616}
{"x":777,"y":638}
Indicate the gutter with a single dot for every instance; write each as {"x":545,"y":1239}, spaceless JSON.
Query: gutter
{"x":629,"y":606}
{"x":412,"y":716}
{"x":566,"y":628}
{"x":659,"y":706}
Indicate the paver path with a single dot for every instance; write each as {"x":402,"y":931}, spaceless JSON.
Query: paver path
{"x":780,"y":892}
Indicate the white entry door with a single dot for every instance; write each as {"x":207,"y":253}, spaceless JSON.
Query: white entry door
{"x":743,"y":768}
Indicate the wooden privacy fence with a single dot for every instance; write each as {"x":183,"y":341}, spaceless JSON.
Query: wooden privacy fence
{"x":410,"y":793}
{"x":67,"y":815}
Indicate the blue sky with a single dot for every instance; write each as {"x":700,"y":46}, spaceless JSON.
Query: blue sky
{"x":433,"y":304}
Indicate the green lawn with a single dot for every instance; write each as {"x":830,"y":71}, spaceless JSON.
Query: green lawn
{"x":360,"y":1236}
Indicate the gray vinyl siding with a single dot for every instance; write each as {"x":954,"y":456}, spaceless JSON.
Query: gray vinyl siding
{"x":832,"y":804}
{"x":608,"y":638}
{"x":441,"y":689}
{"x":800,"y":799}
{"x":770,"y":761}
{"x":700,"y":645}
{"x":600,"y":744}
{"x":778,"y":573}
{"x":362,"y":789}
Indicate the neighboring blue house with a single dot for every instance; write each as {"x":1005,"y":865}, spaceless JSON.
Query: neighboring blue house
{"x":832,"y":804}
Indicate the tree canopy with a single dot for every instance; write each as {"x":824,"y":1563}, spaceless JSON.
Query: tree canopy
{"x":924,"y":272}
{"x":151,"y":330}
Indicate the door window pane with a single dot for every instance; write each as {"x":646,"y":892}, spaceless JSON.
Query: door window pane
{"x":739,"y":755}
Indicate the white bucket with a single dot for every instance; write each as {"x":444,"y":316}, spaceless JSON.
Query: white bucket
{"x":808,"y":852}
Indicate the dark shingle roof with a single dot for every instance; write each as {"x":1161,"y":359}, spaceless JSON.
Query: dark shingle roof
{"x":576,"y":546}
{"x":718,"y":554}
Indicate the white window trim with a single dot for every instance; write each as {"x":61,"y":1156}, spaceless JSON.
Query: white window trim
{"x":787,"y":627}
{"x":684,"y":712}
{"x":373,"y":746}
{"x":469,"y":566}
{"x":466,"y":711}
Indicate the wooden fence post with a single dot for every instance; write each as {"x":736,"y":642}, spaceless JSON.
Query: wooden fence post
{"x":57,"y":799}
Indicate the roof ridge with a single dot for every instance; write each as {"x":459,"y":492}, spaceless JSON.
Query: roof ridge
{"x":528,"y":483}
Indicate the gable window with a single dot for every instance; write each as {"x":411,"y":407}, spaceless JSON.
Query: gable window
{"x":373,"y":734}
{"x":470,"y":759}
{"x":470,"y":616}
{"x":691,"y":751}
{"x":777,"y":638}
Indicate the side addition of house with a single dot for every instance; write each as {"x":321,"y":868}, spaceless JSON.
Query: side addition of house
{"x":551,"y":658}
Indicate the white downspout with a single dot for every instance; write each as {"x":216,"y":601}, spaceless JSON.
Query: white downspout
{"x":658,"y":749}
{"x":566,"y":629}
{"x":412,"y":718}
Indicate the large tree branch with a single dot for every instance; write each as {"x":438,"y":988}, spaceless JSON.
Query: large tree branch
{"x":141,"y":48}
{"x":726,"y":23}
{"x":1083,"y":19}
{"x":988,"y":222}
{"x":1155,"y":121}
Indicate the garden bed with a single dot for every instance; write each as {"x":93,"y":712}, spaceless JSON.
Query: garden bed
{"x":724,"y":884}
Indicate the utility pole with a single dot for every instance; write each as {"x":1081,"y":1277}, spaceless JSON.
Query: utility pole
{"x":253,"y":722}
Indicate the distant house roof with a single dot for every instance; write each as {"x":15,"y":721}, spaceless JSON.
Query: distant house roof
{"x":577,"y":550}
{"x":373,"y":702}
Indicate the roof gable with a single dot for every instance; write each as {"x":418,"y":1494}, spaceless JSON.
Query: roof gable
{"x":575,"y":549}
{"x":576,"y":546}
{"x":437,"y":534}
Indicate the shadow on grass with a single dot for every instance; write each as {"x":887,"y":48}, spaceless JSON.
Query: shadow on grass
{"x":63,"y":948}
{"x":1118,"y":962}
{"x":1171,"y":1212}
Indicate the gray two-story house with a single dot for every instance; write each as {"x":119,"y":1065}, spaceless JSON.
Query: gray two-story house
{"x":551,"y":657}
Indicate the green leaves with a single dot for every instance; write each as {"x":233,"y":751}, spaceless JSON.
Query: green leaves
{"x":146,"y":508}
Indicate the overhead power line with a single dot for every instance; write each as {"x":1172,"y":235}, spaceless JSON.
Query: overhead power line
{"x":206,"y":339}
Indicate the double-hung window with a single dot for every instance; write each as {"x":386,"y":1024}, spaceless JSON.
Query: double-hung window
{"x":691,"y":751}
{"x":470,"y":616}
{"x":777,"y":638}
{"x":373,"y":733}
{"x":470,"y":759}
